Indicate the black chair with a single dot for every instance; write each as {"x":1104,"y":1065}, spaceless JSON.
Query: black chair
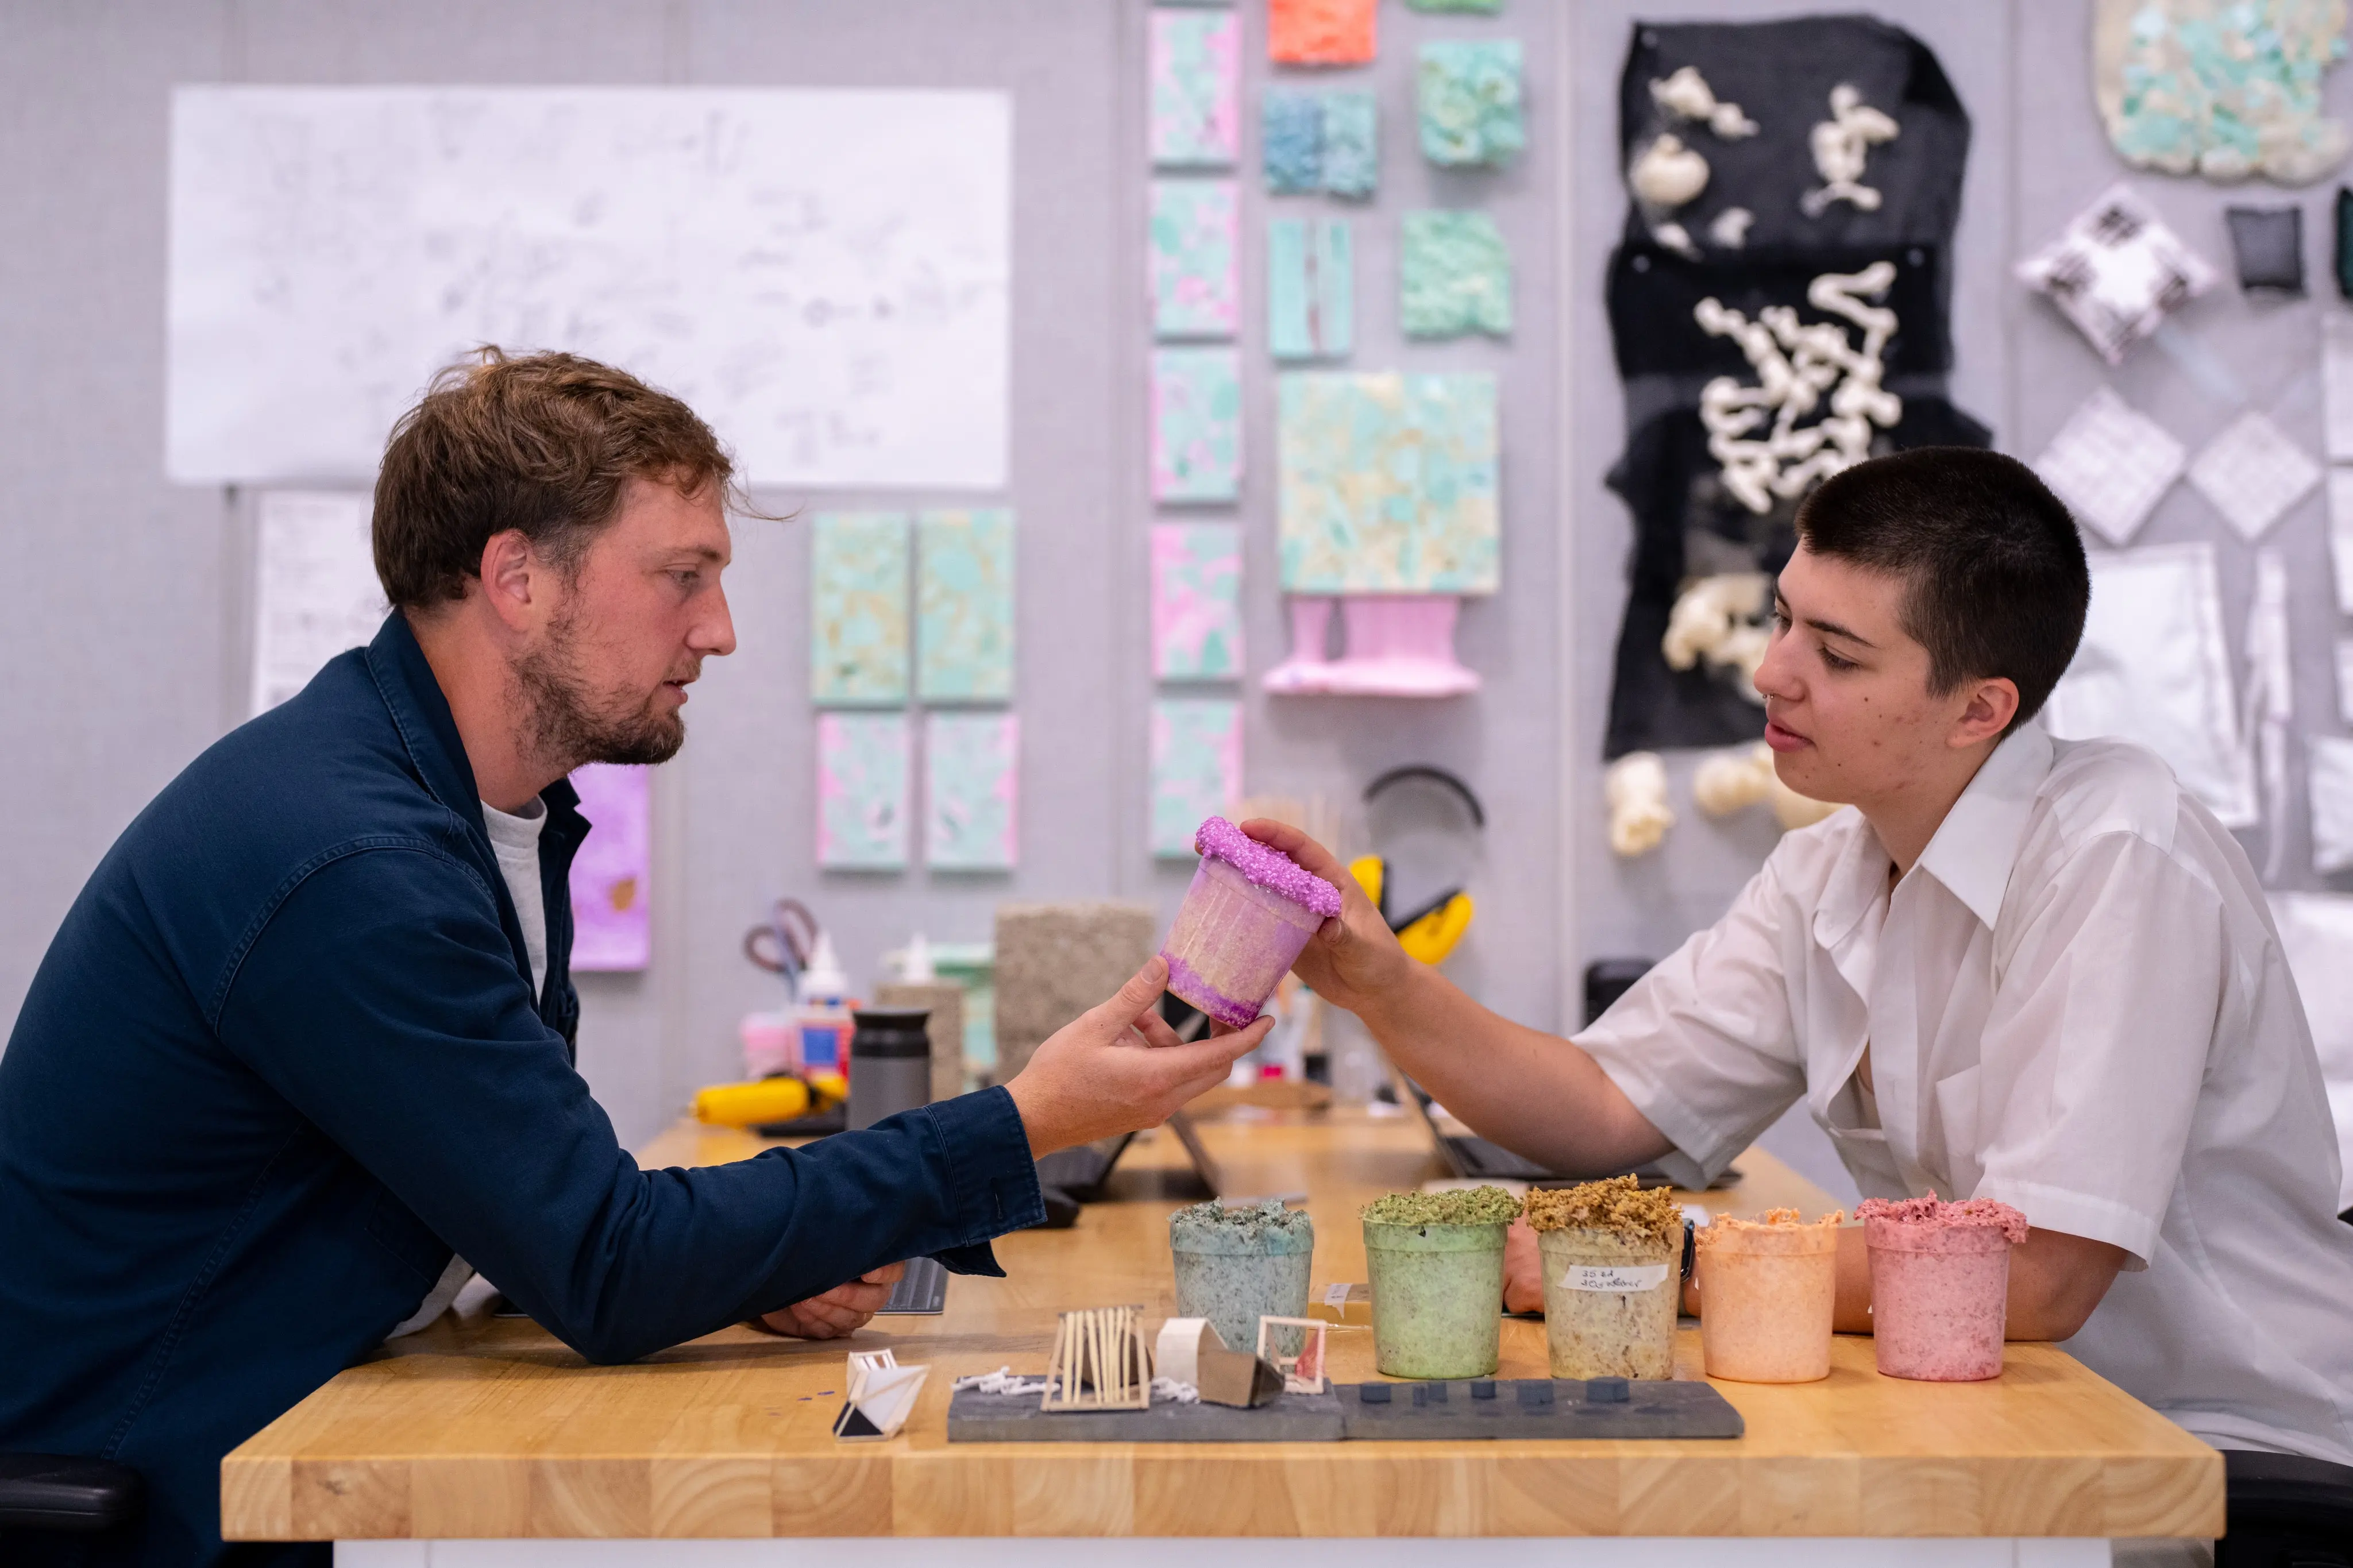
{"x":2286,"y":1512}
{"x":55,"y":1492}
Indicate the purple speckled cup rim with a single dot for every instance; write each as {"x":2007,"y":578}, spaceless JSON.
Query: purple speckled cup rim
{"x":1267,"y":867}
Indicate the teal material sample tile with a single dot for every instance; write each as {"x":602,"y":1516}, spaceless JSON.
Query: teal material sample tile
{"x":971,"y":786}
{"x":1454,"y":276}
{"x":1197,"y":425}
{"x":964,"y":605}
{"x":1290,"y":140}
{"x":1196,"y":768}
{"x":857,"y":608}
{"x":1470,"y":99}
{"x":1311,"y":291}
{"x":1195,"y":89}
{"x":1196,"y":286}
{"x":861,"y":792}
{"x":1351,"y":151}
{"x":1387,"y":483}
{"x":1197,"y":601}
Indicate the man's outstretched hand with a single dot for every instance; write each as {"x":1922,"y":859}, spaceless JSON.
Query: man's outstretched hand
{"x":1120,"y":1069}
{"x":1355,"y":961}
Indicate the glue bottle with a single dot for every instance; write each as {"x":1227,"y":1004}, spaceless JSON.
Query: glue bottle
{"x":824,"y":1016}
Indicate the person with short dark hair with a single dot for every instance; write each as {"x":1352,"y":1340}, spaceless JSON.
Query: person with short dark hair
{"x":2023,"y":969}
{"x":301,"y":1056}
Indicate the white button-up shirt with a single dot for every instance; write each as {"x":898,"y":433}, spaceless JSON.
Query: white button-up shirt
{"x":2076,"y":1002}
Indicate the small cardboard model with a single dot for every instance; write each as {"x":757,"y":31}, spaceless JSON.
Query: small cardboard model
{"x":1189,"y":1350}
{"x":1304,"y":1373}
{"x":881,"y":1396}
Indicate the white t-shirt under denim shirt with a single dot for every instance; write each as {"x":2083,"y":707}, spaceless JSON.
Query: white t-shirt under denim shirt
{"x":2076,"y":1003}
{"x":514,"y":837}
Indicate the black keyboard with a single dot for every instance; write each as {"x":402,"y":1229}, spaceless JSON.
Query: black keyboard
{"x":923,"y":1290}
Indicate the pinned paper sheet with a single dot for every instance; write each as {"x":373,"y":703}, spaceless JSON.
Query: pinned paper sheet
{"x":1197,"y":425}
{"x":1455,"y":275}
{"x":1388,"y":483}
{"x":1195,"y":89}
{"x":2111,"y":464}
{"x":315,"y":587}
{"x":825,"y":274}
{"x":611,"y":873}
{"x":1196,"y":611}
{"x":861,"y":792}
{"x":971,"y":776}
{"x":964,"y":606}
{"x":1196,"y":768}
{"x":2254,"y":474}
{"x":1469,"y":95}
{"x":1311,"y":288}
{"x":1320,"y":32}
{"x":2154,"y":668}
{"x":2336,"y":385}
{"x":1194,"y":288}
{"x":857,"y":608}
{"x":2330,"y":762}
{"x":2344,"y":680}
{"x":2340,"y":536}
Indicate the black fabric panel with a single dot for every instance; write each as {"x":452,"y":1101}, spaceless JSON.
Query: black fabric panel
{"x":1685,"y":526}
{"x":1781,"y":73}
{"x":1653,"y":291}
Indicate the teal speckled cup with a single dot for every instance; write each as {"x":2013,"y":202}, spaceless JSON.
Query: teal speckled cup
{"x":1438,"y":1298}
{"x":1236,"y":1266}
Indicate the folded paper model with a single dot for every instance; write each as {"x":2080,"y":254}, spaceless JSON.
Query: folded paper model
{"x":1191,"y":1351}
{"x":881,"y":1396}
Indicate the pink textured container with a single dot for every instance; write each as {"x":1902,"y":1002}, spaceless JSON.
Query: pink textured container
{"x":1248,"y":912}
{"x":1767,"y":1288}
{"x":1939,"y":1284}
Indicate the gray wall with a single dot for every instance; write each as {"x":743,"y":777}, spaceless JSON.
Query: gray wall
{"x":124,"y":622}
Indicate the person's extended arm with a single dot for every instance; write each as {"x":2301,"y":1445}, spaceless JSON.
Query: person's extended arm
{"x":1531,"y":1092}
{"x":412,"y":1044}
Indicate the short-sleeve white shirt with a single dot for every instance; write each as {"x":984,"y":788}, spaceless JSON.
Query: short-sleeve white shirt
{"x":2076,"y":1002}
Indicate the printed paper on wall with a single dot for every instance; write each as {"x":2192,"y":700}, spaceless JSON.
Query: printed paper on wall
{"x":857,"y":608}
{"x":1196,"y":767}
{"x":1388,"y":483}
{"x":1196,"y":290}
{"x":971,"y":791}
{"x":1197,"y":425}
{"x":861,"y":792}
{"x":1196,"y":611}
{"x":1196,"y":92}
{"x":964,"y":605}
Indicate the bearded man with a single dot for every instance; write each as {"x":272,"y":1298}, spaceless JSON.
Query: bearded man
{"x":300,"y":1057}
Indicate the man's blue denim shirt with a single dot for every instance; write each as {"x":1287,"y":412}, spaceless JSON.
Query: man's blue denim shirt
{"x":282,"y":1057}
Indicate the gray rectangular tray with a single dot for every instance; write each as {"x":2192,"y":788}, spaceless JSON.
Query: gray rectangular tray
{"x":1538,"y":1407}
{"x":1531,"y":1407}
{"x":978,"y":1417}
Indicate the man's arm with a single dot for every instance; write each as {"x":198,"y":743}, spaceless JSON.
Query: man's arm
{"x":381,"y":1001}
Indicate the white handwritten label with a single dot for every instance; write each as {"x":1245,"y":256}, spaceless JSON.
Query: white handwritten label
{"x":1617,"y":1280}
{"x":1335,"y":1295}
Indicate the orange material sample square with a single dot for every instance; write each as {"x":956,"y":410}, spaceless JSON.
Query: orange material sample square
{"x":1320,"y":32}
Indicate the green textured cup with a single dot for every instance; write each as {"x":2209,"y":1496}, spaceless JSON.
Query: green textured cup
{"x":1438,"y":1297}
{"x":1237,"y":1265}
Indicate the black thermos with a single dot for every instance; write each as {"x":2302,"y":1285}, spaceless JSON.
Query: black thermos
{"x":889,"y":1063}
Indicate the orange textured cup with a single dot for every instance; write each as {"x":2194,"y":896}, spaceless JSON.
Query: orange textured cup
{"x":1767,"y":1288}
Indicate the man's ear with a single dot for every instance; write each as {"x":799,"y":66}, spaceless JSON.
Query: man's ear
{"x":514,"y":581}
{"x":1991,"y":705}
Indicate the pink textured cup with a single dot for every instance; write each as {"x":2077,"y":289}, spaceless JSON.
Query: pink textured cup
{"x":1939,"y":1284}
{"x":1248,"y":912}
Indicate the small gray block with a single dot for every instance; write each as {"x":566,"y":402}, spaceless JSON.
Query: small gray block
{"x":1484,"y":1389}
{"x":1056,"y":960}
{"x":1605,"y":1391}
{"x":1643,"y":1409}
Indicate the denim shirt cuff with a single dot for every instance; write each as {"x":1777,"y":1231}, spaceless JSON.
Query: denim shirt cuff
{"x":991,"y":1180}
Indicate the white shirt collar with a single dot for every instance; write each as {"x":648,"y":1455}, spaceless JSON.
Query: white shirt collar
{"x":1976,"y":845}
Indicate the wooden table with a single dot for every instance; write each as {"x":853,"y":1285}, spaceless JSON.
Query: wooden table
{"x":489,"y":1430}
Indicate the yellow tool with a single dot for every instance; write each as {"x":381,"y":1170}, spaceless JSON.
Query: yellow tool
{"x":764,"y":1100}
{"x":1430,"y":932}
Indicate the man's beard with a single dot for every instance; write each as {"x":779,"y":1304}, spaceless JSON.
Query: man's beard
{"x":562,"y":717}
